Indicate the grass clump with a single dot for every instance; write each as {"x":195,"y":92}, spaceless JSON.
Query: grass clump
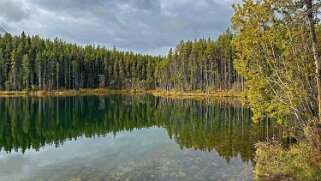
{"x":299,"y":162}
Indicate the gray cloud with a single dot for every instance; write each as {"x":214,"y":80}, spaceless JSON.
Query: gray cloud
{"x":12,"y":10}
{"x":146,"y":26}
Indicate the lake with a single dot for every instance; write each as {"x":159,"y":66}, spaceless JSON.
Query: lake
{"x":126,"y":137}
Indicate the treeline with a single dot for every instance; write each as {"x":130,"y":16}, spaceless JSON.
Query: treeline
{"x":204,"y":65}
{"x":32,"y":63}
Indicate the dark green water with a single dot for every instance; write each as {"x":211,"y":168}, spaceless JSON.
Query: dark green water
{"x":122,"y":137}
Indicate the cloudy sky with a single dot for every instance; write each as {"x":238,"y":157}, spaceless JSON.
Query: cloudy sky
{"x":145,"y":26}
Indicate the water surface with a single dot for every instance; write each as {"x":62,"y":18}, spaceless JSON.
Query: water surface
{"x":121,"y":137}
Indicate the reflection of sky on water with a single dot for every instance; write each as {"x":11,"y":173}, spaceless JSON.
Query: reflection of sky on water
{"x":156,"y":138}
{"x":145,"y":153}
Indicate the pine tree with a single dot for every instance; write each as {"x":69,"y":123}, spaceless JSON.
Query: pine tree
{"x":26,"y":71}
{"x":75,"y":74}
{"x":14,"y":72}
{"x":39,"y":69}
{"x":1,"y":69}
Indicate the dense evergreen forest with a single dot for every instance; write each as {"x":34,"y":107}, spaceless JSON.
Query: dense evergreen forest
{"x":204,"y":65}
{"x":32,"y":63}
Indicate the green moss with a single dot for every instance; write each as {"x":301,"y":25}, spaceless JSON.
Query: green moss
{"x":299,"y":162}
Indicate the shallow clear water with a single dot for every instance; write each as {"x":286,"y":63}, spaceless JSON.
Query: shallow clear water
{"x":123,"y":137}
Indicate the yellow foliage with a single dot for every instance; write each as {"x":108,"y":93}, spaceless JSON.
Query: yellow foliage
{"x":300,"y":162}
{"x":273,"y":55}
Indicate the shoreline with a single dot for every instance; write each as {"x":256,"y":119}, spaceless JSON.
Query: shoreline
{"x":106,"y":91}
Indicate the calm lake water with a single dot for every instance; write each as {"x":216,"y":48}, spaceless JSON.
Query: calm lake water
{"x":121,"y":137}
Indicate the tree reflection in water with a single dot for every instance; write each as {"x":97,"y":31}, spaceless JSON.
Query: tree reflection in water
{"x":207,"y":124}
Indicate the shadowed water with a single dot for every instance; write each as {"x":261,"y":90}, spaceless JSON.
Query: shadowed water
{"x":121,"y":137}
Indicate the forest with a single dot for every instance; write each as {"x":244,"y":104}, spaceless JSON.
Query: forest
{"x":271,"y":54}
{"x":31,"y":63}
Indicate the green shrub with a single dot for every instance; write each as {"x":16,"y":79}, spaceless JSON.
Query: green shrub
{"x":299,"y":162}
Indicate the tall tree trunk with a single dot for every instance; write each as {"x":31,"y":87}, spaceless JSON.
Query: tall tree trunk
{"x":1,"y":76}
{"x":309,"y":4}
{"x":57,"y":76}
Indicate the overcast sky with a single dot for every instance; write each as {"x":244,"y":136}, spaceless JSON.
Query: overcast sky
{"x":145,"y":26}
